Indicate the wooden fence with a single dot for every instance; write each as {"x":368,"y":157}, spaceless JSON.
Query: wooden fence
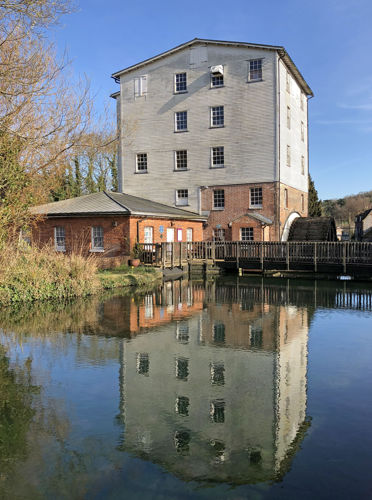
{"x":261,"y":255}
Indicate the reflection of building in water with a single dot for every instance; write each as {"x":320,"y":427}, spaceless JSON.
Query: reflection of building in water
{"x":219,"y":395}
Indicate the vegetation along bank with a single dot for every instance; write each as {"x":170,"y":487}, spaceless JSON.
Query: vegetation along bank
{"x":31,"y":274}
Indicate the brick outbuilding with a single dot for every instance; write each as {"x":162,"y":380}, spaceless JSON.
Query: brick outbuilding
{"x":108,"y":224}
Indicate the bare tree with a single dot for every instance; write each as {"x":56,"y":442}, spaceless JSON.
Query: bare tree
{"x":42,"y":116}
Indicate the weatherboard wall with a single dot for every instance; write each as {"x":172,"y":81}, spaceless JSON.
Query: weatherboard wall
{"x":248,"y":136}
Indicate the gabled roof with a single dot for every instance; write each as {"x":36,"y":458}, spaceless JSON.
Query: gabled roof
{"x":110,"y":203}
{"x":363,"y":215}
{"x":280,"y":49}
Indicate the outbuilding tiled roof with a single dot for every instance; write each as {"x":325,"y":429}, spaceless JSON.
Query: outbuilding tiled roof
{"x":110,"y":203}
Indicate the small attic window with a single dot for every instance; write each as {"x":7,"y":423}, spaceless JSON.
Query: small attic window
{"x":217,"y":76}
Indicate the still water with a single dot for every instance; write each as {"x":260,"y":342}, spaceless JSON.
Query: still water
{"x":243,"y":388}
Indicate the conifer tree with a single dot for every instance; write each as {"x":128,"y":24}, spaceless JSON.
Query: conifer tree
{"x":314,"y":204}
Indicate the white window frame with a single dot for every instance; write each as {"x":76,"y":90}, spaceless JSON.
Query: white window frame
{"x":254,"y":194}
{"x":255,"y":74}
{"x":179,"y":234}
{"x":179,"y":161}
{"x":140,"y":86}
{"x":216,"y":80}
{"x":141,"y":161}
{"x":189,"y":234}
{"x":288,"y":82}
{"x":215,"y":154}
{"x":176,"y":123}
{"x":216,"y":116}
{"x":218,"y":206}
{"x":302,"y":132}
{"x":288,"y":155}
{"x":181,"y":200}
{"x":285,"y":198}
{"x":93,"y":236}
{"x":288,"y":117}
{"x":57,"y":229}
{"x":302,"y":165}
{"x":148,"y":234}
{"x":250,"y":234}
{"x":182,"y":91}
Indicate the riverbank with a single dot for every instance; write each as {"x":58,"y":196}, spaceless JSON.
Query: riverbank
{"x":31,"y":275}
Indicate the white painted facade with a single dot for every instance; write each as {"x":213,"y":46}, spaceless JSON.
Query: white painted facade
{"x":254,"y":136}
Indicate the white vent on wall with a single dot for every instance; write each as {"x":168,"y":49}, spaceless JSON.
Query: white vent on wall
{"x":217,"y":70}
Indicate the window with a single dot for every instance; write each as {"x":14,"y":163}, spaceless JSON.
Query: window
{"x":182,"y":332}
{"x":149,"y":306}
{"x":217,"y":411}
{"x":182,"y":368}
{"x":302,"y":132}
{"x":255,"y":197}
{"x":143,"y":363}
{"x":255,"y":70}
{"x":97,"y":238}
{"x":180,"y":121}
{"x":288,"y":156}
{"x":219,"y":234}
{"x":286,"y":198}
{"x":218,"y":373}
{"x":218,"y":156}
{"x":302,"y":99}
{"x":140,"y":86}
{"x":141,"y":162}
{"x":255,"y":335}
{"x":302,"y":165}
{"x":180,"y":82}
{"x":288,"y":82}
{"x":148,"y":232}
{"x":217,"y":80}
{"x":182,"y":441}
{"x":182,"y":406}
{"x":189,"y":234}
{"x":182,"y":197}
{"x":59,"y":239}
{"x":217,"y":116}
{"x":219,"y":333}
{"x":219,"y":199}
{"x":246,"y":234}
{"x":288,"y":117}
{"x":181,"y":160}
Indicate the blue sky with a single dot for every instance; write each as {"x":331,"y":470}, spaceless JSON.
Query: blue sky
{"x":330,"y":41}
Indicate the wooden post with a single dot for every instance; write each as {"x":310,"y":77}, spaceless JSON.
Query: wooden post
{"x":315,"y":256}
{"x":344,"y":256}
{"x":262,"y":256}
{"x":180,"y":254}
{"x":214,"y":252}
{"x":237,"y":254}
{"x":172,"y":256}
{"x":163,"y":254}
{"x":287,"y":256}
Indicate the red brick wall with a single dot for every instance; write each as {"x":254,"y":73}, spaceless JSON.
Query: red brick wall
{"x":158,"y":237}
{"x":236,"y":205}
{"x":232,"y":217}
{"x":119,"y":232}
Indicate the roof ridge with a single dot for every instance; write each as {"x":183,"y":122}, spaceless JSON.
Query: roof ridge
{"x":117,"y":202}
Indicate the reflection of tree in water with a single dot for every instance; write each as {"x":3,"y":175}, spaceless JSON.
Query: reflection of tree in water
{"x":16,"y":414}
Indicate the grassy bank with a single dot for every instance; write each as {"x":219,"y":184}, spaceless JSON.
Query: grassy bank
{"x":31,"y":274}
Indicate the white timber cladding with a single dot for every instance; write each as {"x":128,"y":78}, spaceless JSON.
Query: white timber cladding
{"x":248,"y":135}
{"x":292,"y":136}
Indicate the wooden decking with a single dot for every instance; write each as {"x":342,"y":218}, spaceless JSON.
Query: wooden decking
{"x":338,"y":257}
